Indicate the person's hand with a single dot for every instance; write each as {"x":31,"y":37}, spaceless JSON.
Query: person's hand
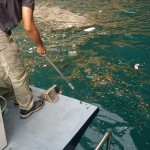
{"x":41,"y":50}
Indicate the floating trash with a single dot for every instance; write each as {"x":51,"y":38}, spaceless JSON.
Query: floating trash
{"x":30,"y":49}
{"x":136,"y":66}
{"x":89,"y":77}
{"x":30,"y":52}
{"x":72,"y":53}
{"x":103,"y":33}
{"x":89,"y":29}
{"x":32,"y":70}
{"x":44,"y":65}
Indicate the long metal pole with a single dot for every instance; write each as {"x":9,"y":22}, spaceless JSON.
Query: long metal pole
{"x":71,"y":86}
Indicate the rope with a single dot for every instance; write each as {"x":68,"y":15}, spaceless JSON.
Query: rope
{"x":5,"y":104}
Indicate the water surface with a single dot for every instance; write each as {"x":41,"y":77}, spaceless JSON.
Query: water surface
{"x":103,"y":71}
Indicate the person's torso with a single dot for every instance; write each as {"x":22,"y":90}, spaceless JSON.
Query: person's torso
{"x":10,"y":14}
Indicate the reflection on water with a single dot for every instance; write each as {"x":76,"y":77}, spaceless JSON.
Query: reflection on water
{"x":103,"y":70}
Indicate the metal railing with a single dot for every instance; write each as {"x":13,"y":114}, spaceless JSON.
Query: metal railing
{"x":106,"y":138}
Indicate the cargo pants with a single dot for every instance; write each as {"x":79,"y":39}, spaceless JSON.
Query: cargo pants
{"x":13,"y":72}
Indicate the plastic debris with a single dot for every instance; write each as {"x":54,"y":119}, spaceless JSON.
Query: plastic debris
{"x":32,"y":70}
{"x":30,"y":52}
{"x":89,"y":29}
{"x":30,"y":49}
{"x":136,"y":66}
{"x":44,"y":65}
{"x":103,"y":33}
{"x":89,"y":77}
{"x":72,"y":53}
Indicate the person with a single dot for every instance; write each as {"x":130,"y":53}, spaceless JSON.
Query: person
{"x":12,"y":70}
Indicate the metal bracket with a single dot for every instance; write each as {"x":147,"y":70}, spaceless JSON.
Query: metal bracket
{"x":50,"y":95}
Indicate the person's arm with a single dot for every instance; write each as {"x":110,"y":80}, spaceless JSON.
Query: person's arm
{"x":31,"y":30}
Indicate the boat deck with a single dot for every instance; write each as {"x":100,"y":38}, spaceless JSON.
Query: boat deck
{"x":56,"y":126}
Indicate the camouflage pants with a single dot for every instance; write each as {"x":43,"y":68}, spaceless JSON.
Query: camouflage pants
{"x":13,"y":72}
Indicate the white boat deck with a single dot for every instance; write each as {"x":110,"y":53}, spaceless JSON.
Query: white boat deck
{"x":56,"y":126}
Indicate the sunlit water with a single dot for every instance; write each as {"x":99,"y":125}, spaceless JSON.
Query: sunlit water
{"x":103,"y":71}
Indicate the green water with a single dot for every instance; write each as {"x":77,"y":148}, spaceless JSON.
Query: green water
{"x":103,"y":71}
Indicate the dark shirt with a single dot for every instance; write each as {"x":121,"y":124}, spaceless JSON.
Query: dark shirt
{"x":10,"y":12}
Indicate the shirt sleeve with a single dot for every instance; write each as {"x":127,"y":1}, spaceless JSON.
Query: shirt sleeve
{"x":28,"y":3}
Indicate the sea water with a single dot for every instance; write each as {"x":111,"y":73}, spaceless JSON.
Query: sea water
{"x":103,"y":69}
